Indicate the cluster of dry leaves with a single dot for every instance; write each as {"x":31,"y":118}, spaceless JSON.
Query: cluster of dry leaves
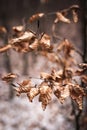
{"x":27,"y":40}
{"x":60,"y":82}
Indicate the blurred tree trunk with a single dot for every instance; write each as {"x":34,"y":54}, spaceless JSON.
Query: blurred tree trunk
{"x":34,"y":5}
{"x":6,"y":56}
{"x":84,"y":21}
{"x":25,"y":64}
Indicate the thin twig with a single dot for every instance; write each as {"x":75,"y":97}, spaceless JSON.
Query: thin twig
{"x":54,"y":34}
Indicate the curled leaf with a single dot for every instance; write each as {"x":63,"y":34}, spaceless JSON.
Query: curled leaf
{"x":45,"y":94}
{"x":75,"y":16}
{"x":32,"y":93}
{"x":36,"y":16}
{"x":61,"y":17}
{"x":44,"y":43}
{"x":9,"y":77}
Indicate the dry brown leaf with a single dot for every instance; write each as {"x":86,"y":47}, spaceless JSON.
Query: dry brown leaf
{"x":54,"y":76}
{"x":24,"y":87}
{"x":36,"y":16}
{"x":61,"y":17}
{"x":34,"y":45}
{"x":45,"y":94}
{"x":44,"y":43}
{"x":77,"y":93}
{"x":74,"y":91}
{"x":57,"y":75}
{"x":3,"y":29}
{"x":62,"y":76}
{"x":45,"y":76}
{"x":84,"y":79}
{"x":75,"y":16}
{"x":45,"y":39}
{"x":9,"y":77}
{"x":18,"y":28}
{"x":26,"y":37}
{"x":25,"y":83}
{"x":32,"y":93}
{"x":61,"y":92}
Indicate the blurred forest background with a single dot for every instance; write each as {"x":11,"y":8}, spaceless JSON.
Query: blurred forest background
{"x":18,"y":113}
